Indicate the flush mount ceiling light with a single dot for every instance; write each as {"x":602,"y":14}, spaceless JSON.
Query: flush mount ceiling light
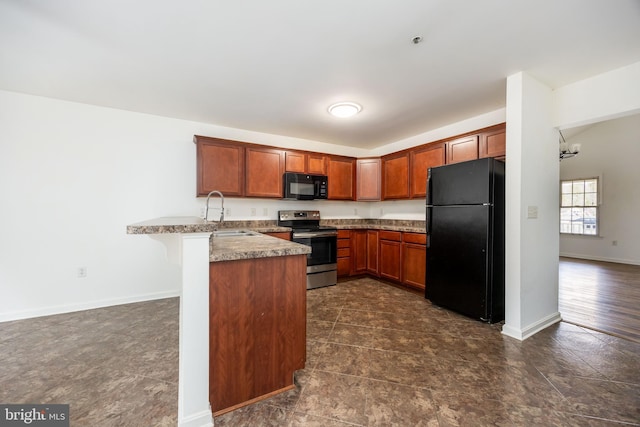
{"x":344,"y":109}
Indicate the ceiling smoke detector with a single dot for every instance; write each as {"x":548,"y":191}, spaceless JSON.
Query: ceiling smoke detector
{"x":344,"y":109}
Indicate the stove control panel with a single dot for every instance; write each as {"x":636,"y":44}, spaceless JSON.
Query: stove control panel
{"x":298,"y":215}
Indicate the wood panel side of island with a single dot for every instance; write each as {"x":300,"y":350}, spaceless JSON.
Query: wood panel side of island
{"x":257,"y":328}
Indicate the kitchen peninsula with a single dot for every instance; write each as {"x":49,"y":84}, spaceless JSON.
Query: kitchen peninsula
{"x":242,"y":314}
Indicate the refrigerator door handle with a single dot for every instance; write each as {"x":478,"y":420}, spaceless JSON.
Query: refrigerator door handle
{"x":428,"y":224}
{"x":429,"y":187}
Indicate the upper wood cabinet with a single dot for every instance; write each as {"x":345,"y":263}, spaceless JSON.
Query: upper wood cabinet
{"x":462,"y":149}
{"x":264,"y":167}
{"x":316,"y":164}
{"x":421,"y":160}
{"x":368,"y":179}
{"x":220,"y":166}
{"x":341,"y":176}
{"x":295,"y":161}
{"x":303,"y":162}
{"x":395,"y":176}
{"x":493,"y":144}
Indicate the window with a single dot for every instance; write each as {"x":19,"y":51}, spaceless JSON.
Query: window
{"x":579,"y":207}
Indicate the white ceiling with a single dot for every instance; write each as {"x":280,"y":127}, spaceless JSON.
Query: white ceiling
{"x":275,"y":66}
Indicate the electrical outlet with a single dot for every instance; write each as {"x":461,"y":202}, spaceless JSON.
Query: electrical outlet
{"x":82,"y":272}
{"x":227,"y":212}
{"x":355,"y":211}
{"x":265,"y":211}
{"x":253,"y":211}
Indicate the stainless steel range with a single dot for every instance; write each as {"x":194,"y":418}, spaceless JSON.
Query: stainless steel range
{"x":306,"y":230}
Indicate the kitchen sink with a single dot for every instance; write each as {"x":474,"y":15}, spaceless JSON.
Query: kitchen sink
{"x":234,"y":233}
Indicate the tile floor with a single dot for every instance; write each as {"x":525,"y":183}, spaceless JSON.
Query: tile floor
{"x":377,"y":356}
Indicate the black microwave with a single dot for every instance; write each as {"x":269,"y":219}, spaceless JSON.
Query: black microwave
{"x":302,"y":186}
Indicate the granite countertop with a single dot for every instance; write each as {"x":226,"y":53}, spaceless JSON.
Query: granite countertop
{"x":198,"y":225}
{"x":227,"y":248}
{"x":254,"y":245}
{"x":409,"y":226}
{"x":257,"y":245}
{"x":193,"y":224}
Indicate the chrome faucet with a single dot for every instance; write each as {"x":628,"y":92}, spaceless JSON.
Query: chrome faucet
{"x":206,"y":212}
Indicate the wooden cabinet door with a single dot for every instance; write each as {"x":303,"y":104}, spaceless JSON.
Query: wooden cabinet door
{"x":493,"y":144}
{"x":220,"y":166}
{"x":264,"y":167}
{"x":372,"y":252}
{"x":316,"y":164}
{"x":462,"y":149}
{"x":395,"y":176}
{"x":421,"y":160}
{"x":414,"y":264}
{"x":390,"y":258}
{"x":358,"y":251}
{"x":341,"y":176}
{"x":295,"y":161}
{"x":368,"y":179}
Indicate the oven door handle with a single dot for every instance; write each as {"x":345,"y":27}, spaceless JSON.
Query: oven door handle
{"x":314,"y":234}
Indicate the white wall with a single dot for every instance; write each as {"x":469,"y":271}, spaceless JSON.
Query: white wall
{"x":531,"y":290}
{"x":610,"y":150}
{"x":73,"y":176}
{"x":605,"y":96}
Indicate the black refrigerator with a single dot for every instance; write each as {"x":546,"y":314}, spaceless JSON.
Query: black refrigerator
{"x":465,"y":238}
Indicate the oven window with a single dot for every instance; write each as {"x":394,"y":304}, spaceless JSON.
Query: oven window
{"x":323,"y":249}
{"x":302,"y":188}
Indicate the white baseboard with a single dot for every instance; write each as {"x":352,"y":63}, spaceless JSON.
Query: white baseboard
{"x":598,"y":258}
{"x":532,"y":329}
{"x":201,"y":419}
{"x":60,"y":309}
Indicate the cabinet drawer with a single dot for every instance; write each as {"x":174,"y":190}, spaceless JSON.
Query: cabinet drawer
{"x":344,"y":252}
{"x":344,"y":234}
{"x":418,"y":238}
{"x":391,"y":235}
{"x":344,"y":243}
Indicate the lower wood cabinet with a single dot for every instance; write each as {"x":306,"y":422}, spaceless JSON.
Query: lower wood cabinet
{"x":257,"y":325}
{"x":344,"y":253}
{"x":358,"y":251}
{"x":372,"y":252}
{"x":414,"y":260}
{"x":396,"y":256}
{"x":390,"y":255}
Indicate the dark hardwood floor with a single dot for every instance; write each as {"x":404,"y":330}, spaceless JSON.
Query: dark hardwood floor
{"x":603,"y":296}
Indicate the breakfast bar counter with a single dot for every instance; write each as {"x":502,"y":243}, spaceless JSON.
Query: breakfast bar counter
{"x":226,"y":272}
